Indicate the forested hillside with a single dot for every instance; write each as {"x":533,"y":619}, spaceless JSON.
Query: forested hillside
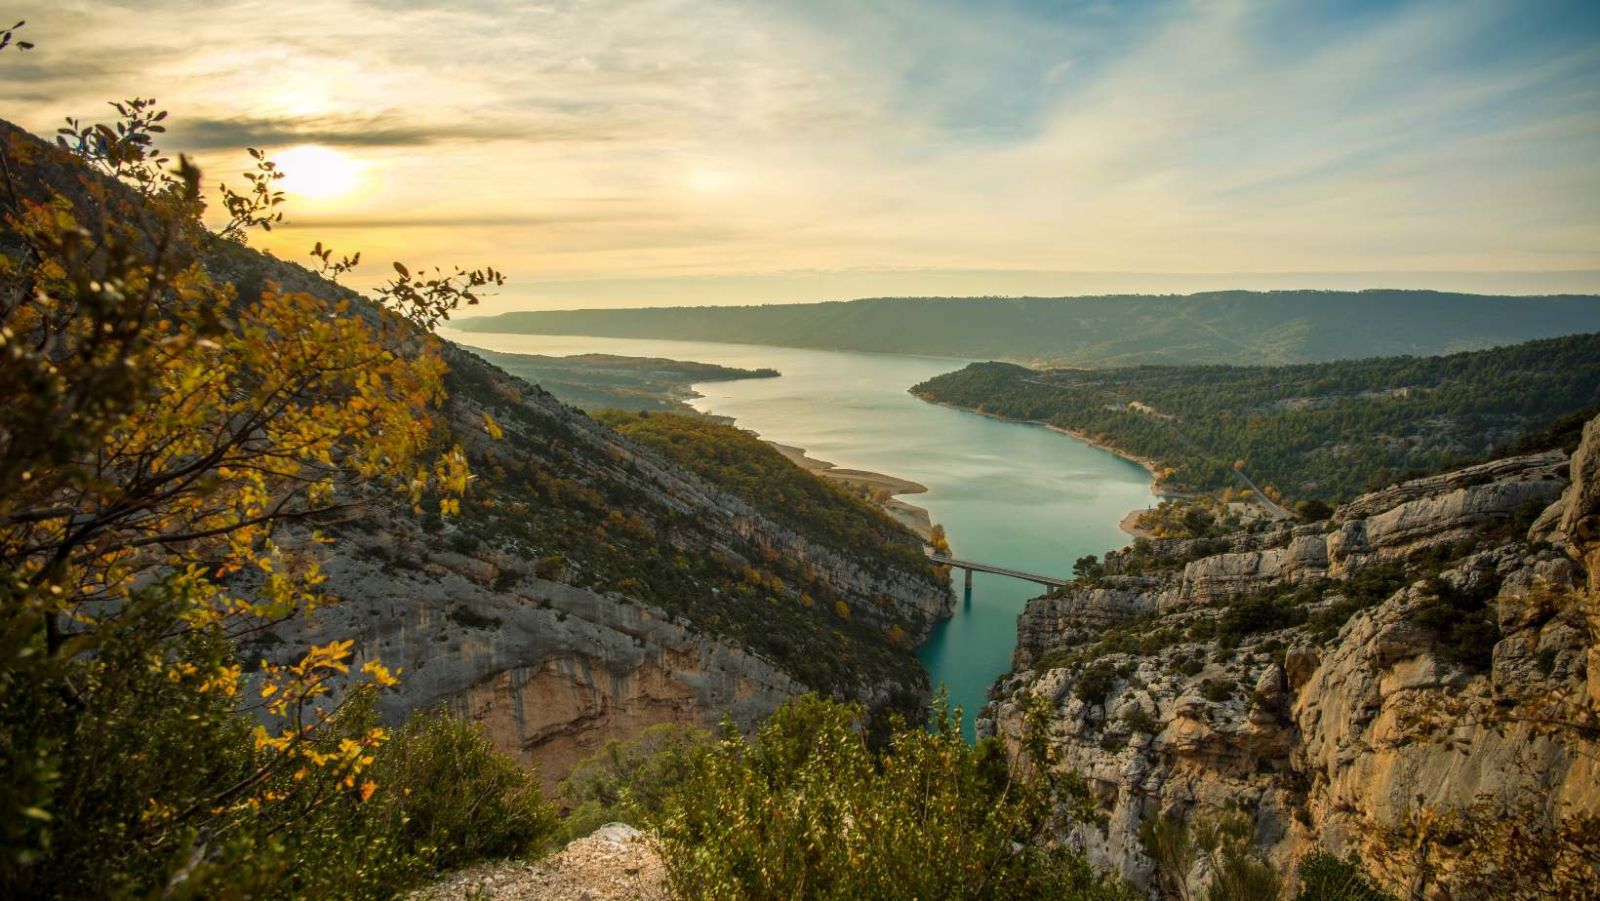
{"x":755,"y":471}
{"x":1223,"y":327}
{"x":608,"y":381}
{"x":1324,"y":430}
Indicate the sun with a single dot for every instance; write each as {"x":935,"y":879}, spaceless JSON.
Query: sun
{"x":311,"y":170}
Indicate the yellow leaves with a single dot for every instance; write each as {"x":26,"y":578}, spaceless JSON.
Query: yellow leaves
{"x":367,"y":788}
{"x":242,"y":411}
{"x":380,"y":674}
{"x":224,"y":681}
{"x":330,"y":657}
{"x":452,"y":473}
{"x":492,"y":427}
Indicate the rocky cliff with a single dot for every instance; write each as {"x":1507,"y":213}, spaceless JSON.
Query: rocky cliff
{"x":591,"y":588}
{"x":1422,"y":652}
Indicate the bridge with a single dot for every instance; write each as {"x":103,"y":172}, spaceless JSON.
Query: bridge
{"x":971,"y":567}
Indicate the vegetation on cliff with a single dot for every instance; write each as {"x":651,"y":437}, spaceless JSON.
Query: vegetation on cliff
{"x":763,"y":477}
{"x":817,"y":805}
{"x":542,"y":498}
{"x":1322,"y":430}
{"x":1404,"y":682}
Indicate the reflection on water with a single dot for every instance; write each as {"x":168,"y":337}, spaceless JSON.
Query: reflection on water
{"x":1008,"y":494}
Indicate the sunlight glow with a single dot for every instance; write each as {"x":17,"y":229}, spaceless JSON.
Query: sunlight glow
{"x":314,"y":171}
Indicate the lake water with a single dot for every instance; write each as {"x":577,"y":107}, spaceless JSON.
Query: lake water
{"x":1008,"y":494}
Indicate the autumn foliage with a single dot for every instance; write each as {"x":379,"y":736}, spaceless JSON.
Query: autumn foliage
{"x":169,"y":448}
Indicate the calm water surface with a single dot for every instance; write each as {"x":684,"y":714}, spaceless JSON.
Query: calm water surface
{"x":1009,"y":494}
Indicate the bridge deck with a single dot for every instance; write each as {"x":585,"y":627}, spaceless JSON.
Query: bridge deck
{"x":998,"y":570}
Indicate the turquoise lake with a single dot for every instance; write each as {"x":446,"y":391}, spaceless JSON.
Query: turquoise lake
{"x":1009,"y":494}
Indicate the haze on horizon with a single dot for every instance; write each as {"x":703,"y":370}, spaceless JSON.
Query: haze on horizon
{"x":684,"y":152}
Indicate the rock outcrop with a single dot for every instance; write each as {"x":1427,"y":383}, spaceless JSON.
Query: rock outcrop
{"x":1332,"y":680}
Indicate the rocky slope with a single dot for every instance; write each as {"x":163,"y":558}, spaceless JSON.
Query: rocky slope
{"x":1333,"y":680}
{"x":590,"y":588}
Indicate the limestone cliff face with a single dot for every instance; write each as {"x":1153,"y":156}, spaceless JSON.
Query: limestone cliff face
{"x":1319,"y":676}
{"x":550,"y":670}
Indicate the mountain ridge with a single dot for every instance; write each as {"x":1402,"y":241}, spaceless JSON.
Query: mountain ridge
{"x":1240,"y":327}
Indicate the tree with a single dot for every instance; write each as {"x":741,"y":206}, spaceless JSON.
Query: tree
{"x":162,"y":429}
{"x":1087,"y":567}
{"x":807,"y":809}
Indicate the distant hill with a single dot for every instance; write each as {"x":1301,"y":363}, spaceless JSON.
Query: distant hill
{"x":1318,"y":430}
{"x":1239,"y":327}
{"x":606,"y":381}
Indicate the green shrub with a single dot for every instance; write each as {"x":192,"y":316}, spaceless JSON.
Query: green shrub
{"x":147,"y":769}
{"x":449,"y":798}
{"x":630,"y":782}
{"x":1224,"y":842}
{"x":550,"y":568}
{"x":1463,"y":621}
{"x":1139,"y":720}
{"x":1095,"y":683}
{"x":1087,"y":568}
{"x":1324,"y":877}
{"x":807,"y":809}
{"x":1258,"y":613}
{"x":1217,"y":691}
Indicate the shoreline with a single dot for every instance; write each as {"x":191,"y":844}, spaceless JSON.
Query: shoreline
{"x":1128,"y":522}
{"x":913,"y":517}
{"x":1130,"y":525}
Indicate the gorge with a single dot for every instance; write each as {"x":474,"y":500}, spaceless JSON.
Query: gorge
{"x":1006,"y":493}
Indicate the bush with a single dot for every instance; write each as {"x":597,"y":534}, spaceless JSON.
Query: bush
{"x":807,"y":809}
{"x":1139,"y":721}
{"x":1463,"y":622}
{"x":1324,"y":877}
{"x":448,"y":798}
{"x":1258,"y":613}
{"x":1313,"y":510}
{"x":550,"y":568}
{"x":1095,"y":683}
{"x":1217,"y":691}
{"x":1224,"y":842}
{"x":630,"y":782}
{"x":149,"y":771}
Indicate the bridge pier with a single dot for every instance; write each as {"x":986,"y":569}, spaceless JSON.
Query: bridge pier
{"x":969,"y":588}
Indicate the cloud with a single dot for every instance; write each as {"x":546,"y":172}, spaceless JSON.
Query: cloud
{"x":390,"y":130}
{"x":1170,"y":136}
{"x":475,"y":221}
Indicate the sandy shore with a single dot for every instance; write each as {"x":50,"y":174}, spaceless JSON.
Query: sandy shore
{"x":910,"y":515}
{"x":1130,"y":525}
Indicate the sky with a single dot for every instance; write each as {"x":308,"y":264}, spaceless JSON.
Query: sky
{"x":657,"y":152}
